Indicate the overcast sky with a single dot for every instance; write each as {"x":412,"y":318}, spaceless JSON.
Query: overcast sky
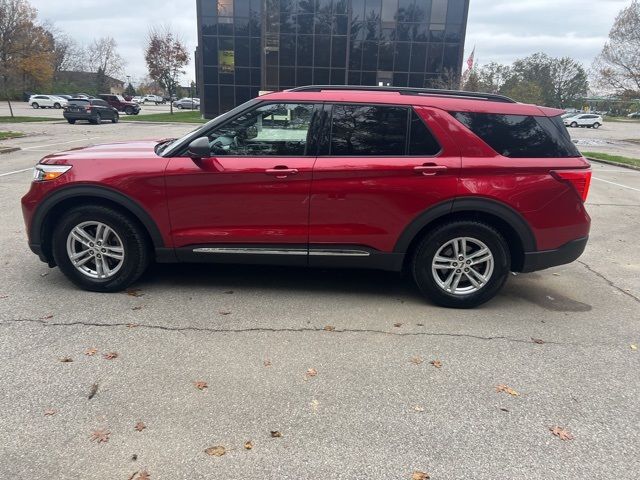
{"x":501,"y":30}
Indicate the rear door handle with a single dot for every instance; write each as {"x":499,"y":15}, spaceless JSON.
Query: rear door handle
{"x":430,"y":170}
{"x":281,"y":171}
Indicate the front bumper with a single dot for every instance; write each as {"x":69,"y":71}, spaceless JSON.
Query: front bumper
{"x":567,"y":253}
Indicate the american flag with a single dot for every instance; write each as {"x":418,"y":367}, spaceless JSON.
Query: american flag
{"x":470,"y":59}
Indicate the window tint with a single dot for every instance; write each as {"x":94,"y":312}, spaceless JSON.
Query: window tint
{"x":421,"y":140}
{"x":78,"y":102}
{"x":274,"y":129}
{"x":520,"y":136}
{"x":368,"y":130}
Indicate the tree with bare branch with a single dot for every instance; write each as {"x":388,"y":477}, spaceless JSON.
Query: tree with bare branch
{"x":166,"y":58}
{"x":103,"y":59}
{"x":618,"y":65}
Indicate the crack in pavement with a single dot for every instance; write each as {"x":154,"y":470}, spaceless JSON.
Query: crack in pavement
{"x":280,"y":330}
{"x":610,"y":282}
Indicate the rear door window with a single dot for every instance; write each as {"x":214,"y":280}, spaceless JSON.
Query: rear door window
{"x":368,"y":130}
{"x":521,"y":136}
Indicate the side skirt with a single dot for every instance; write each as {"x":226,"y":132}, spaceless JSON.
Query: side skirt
{"x":323,"y":256}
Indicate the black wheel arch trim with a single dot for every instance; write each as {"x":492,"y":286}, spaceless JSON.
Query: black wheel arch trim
{"x":468,"y":204}
{"x":97,"y":192}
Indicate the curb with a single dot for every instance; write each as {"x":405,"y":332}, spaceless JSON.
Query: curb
{"x":616,"y":164}
{"x":8,"y":149}
{"x":143,"y":122}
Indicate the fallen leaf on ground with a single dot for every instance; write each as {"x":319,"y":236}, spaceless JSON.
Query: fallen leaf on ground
{"x":537,"y":340}
{"x":224,"y":312}
{"x":110,"y":355}
{"x":229,"y":292}
{"x":44,"y":274}
{"x":314,"y":405}
{"x":561,"y":433}
{"x":144,"y":475}
{"x":329,"y":328}
{"x":418,"y":475}
{"x":248,"y":445}
{"x":420,"y":324}
{"x":135,"y":292}
{"x":46,"y":317}
{"x":137,"y":307}
{"x":436,"y":363}
{"x":267,"y":362}
{"x":200,"y":385}
{"x":66,"y":359}
{"x":417,"y":360}
{"x":91,"y":351}
{"x":397,"y":325}
{"x":311,"y":372}
{"x":556,"y":274}
{"x":132,"y":475}
{"x":418,"y":408}
{"x":216,"y":451}
{"x":634,"y":347}
{"x":139,"y":426}
{"x":504,"y":409}
{"x":50,"y":411}
{"x":92,"y":391}
{"x":276,"y":434}
{"x":4,"y":296}
{"x":132,"y":325}
{"x":134,"y":457}
{"x":506,"y":389}
{"x":100,"y":435}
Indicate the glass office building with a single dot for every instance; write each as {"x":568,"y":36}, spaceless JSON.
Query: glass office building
{"x":247,"y":46}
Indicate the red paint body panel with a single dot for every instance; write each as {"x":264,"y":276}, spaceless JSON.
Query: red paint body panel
{"x":367,"y":201}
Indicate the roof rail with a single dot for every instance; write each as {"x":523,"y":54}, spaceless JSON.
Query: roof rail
{"x":435,"y":92}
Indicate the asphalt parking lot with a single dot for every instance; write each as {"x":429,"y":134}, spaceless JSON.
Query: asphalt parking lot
{"x":23,"y":109}
{"x":338,"y":361}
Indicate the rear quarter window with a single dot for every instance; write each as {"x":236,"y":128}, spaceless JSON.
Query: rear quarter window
{"x":521,"y":136}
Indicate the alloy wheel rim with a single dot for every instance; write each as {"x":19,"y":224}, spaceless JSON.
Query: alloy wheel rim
{"x":462,"y":266}
{"x":95,"y":250}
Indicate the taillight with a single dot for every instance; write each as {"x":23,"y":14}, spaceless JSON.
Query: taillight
{"x":88,"y":108}
{"x":579,"y":179}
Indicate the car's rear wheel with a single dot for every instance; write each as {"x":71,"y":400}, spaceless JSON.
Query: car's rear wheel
{"x":179,"y":107}
{"x":71,"y":121}
{"x":574,"y":124}
{"x":596,"y":125}
{"x":35,"y":105}
{"x":100,"y":249}
{"x":116,"y":118}
{"x":98,"y":119}
{"x":461,"y":264}
{"x":56,"y":105}
{"x":128,"y":110}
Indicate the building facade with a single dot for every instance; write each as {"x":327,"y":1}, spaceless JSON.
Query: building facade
{"x":247,"y":46}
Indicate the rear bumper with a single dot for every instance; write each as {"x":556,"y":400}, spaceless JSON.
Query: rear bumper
{"x":567,"y":253}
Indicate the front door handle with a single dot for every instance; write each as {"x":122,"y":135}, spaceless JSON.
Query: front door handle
{"x":430,"y":169}
{"x":281,"y":171}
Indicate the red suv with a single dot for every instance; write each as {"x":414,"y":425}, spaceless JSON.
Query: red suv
{"x":457,"y":188}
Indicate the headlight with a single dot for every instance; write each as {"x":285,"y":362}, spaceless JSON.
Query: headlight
{"x":45,"y":173}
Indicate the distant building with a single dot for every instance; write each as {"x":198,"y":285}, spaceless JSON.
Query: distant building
{"x":88,"y":82}
{"x":246,"y":46}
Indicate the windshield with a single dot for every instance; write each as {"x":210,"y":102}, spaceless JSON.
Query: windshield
{"x":120,"y":98}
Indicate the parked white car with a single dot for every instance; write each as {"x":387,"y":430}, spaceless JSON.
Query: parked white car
{"x":152,"y":99}
{"x":47,"y":101}
{"x":137,"y":99}
{"x":589,"y":120}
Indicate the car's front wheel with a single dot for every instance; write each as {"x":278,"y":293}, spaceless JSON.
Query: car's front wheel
{"x":573,"y":124}
{"x":596,"y":125}
{"x":35,"y":105}
{"x":100,"y":249}
{"x":128,"y":111}
{"x":461,"y":264}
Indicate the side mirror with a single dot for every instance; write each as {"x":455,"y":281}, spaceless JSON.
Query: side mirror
{"x":199,"y":148}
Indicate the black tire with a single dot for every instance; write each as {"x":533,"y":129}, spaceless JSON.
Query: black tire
{"x":596,"y":125}
{"x":179,"y":107}
{"x":98,"y":119}
{"x":136,"y":248}
{"x":56,"y":105}
{"x":116,"y":118}
{"x":573,"y":124}
{"x":35,"y":105}
{"x":71,"y":121}
{"x":128,"y":111}
{"x":421,"y":263}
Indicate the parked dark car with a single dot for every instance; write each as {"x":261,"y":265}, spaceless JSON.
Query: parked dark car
{"x":119,"y":103}
{"x":94,"y":110}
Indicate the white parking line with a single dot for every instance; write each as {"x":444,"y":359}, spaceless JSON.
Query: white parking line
{"x":35,"y":147}
{"x":16,"y":171}
{"x":617,"y":184}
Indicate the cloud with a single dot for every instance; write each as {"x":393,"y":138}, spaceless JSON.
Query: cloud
{"x":501,"y":30}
